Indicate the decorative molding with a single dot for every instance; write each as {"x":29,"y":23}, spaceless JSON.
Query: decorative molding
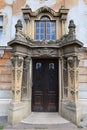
{"x":18,"y":74}
{"x":17,"y":59}
{"x":71,"y":61}
{"x":72,"y":76}
{"x":45,"y":52}
{"x":21,"y":36}
{"x":65,"y":72}
{"x":44,"y":9}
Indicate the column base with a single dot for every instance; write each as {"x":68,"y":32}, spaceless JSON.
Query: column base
{"x":18,"y":111}
{"x":71,"y":112}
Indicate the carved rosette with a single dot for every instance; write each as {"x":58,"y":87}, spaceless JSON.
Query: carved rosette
{"x":73,"y":69}
{"x":17,"y":71}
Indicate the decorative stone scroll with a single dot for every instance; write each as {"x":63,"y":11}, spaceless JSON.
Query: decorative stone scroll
{"x":73,"y":66}
{"x":17,"y":71}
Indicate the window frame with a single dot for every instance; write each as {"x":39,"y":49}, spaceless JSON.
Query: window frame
{"x":2,"y":26}
{"x":45,"y":33}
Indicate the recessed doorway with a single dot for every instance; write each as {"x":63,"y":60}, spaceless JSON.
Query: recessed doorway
{"x":45,"y":90}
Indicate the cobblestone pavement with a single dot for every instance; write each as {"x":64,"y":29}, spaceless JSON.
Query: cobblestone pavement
{"x":22,"y":126}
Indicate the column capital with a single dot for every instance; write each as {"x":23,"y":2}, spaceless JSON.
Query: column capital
{"x":17,"y":60}
{"x":73,"y":60}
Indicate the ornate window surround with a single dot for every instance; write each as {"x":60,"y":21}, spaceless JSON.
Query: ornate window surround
{"x":30,"y":17}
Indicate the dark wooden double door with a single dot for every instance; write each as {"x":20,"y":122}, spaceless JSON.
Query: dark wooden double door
{"x":45,"y":85}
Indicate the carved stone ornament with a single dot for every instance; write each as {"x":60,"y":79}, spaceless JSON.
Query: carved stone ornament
{"x":16,"y":59}
{"x":19,"y":25}
{"x":71,"y":61}
{"x":45,"y":52}
{"x":21,"y":36}
{"x":18,"y":91}
{"x":72,"y":75}
{"x":77,"y":73}
{"x":13,"y":72}
{"x":72,"y":27}
{"x":72,"y":91}
{"x":20,"y":60}
{"x":77,"y":61}
{"x":13,"y":59}
{"x":44,"y":9}
{"x":18,"y":74}
{"x":65,"y":72}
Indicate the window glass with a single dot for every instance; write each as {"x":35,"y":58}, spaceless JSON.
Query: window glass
{"x":45,"y":18}
{"x":51,"y":66}
{"x":38,"y":65}
{"x":45,"y":29}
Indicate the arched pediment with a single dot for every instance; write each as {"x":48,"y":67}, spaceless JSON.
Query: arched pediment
{"x":45,"y":9}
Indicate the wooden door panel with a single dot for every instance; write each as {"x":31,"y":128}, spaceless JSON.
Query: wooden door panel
{"x":38,"y":102}
{"x":52,"y":92}
{"x":37,"y":90}
{"x":52,"y":103}
{"x":45,"y":85}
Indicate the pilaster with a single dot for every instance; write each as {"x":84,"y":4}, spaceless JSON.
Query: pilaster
{"x":26,"y":82}
{"x":17,"y":71}
{"x":73,"y":69}
{"x":63,"y":16}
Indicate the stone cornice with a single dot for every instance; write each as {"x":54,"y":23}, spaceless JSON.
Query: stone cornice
{"x":62,"y":42}
{"x":44,"y":9}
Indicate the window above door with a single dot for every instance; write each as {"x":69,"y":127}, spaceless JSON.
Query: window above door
{"x":44,"y":23}
{"x":45,"y":29}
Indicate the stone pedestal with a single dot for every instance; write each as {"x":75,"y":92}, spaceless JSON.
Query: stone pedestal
{"x":18,"y":111}
{"x":70,"y":111}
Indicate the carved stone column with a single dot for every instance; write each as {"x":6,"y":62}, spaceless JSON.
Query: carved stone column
{"x":65,"y":79}
{"x":73,"y":66}
{"x":17,"y":71}
{"x":26,"y":79}
{"x":70,"y":107}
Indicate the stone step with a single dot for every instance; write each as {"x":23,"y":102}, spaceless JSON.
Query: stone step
{"x":44,"y":118}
